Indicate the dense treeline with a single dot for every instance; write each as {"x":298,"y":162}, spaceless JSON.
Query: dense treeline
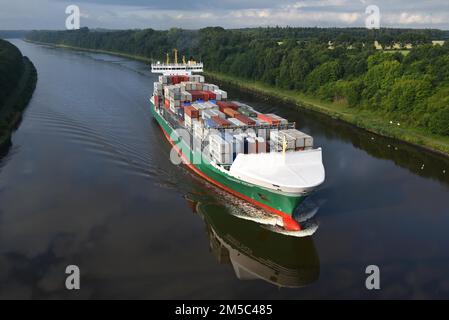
{"x":12,"y":34}
{"x":411,"y":87}
{"x":17,"y":82}
{"x":11,"y":68}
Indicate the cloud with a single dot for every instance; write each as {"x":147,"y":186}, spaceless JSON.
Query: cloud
{"x":120,"y":14}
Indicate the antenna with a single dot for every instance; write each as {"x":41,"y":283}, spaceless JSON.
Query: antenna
{"x":176,"y":56}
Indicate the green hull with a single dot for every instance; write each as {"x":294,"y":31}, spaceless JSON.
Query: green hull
{"x":278,"y":203}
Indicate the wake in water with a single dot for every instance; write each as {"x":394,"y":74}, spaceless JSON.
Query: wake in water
{"x":244,"y":210}
{"x":114,"y":143}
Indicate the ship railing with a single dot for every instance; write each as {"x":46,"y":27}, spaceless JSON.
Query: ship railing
{"x":290,"y":125}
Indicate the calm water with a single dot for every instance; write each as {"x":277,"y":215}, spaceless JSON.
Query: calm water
{"x":87,"y":181}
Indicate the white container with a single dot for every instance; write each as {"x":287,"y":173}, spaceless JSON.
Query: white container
{"x":236,"y":122}
{"x":224,"y":95}
{"x":198,"y":130}
{"x":222,"y":158}
{"x":239,"y":145}
{"x":187,"y":121}
{"x":251,"y":145}
{"x":303,"y":140}
{"x":219,"y":113}
{"x":277,"y":138}
{"x":261,"y":145}
{"x":208,"y":113}
{"x":262,"y":133}
{"x":218,"y":145}
{"x":251,"y":133}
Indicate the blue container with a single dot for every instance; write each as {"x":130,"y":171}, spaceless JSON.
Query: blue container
{"x":209,"y":123}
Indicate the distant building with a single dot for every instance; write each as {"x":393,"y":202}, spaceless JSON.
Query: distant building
{"x":438,"y":42}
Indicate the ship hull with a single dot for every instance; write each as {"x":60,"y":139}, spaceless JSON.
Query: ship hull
{"x":280,"y":204}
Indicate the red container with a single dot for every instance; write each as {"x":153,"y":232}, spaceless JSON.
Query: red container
{"x":175,"y":80}
{"x":211,"y":95}
{"x":267,"y":118}
{"x":230,"y":112}
{"x":226,"y":104}
{"x":167,"y":104}
{"x":246,"y":120}
{"x":220,"y":121}
{"x":205,"y":95}
{"x":197,"y":94}
{"x":192,"y":112}
{"x":156,"y":101}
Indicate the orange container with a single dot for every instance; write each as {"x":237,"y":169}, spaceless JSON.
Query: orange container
{"x":226,"y":104}
{"x":192,"y":112}
{"x":230,"y":112}
{"x":267,"y":118}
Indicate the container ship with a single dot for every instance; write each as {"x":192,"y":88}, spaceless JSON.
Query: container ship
{"x":258,"y":157}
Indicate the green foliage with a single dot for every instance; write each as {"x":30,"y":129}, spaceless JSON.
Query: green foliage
{"x":407,"y":94}
{"x":413,"y":88}
{"x":439,"y":122}
{"x":324,"y":74}
{"x":11,"y":68}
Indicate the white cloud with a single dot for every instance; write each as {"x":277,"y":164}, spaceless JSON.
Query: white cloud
{"x":49,"y":14}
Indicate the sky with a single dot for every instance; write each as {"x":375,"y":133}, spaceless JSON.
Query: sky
{"x":193,"y":14}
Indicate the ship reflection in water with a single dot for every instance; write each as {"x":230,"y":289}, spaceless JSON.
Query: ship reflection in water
{"x":257,"y":252}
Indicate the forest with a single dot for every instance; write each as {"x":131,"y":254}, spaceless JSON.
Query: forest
{"x":17,"y":82}
{"x":11,"y":67}
{"x":411,"y":86}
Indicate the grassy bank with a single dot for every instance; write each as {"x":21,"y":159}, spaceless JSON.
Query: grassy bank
{"x":364,"y":119}
{"x":11,"y":111}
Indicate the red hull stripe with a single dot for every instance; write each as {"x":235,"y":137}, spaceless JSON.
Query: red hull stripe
{"x":289,"y":222}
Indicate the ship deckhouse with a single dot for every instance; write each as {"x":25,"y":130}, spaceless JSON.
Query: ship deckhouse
{"x":186,"y":68}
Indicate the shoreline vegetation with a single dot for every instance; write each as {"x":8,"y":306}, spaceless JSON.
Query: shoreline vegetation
{"x":16,"y":100}
{"x":362,"y":119}
{"x":378,"y":122}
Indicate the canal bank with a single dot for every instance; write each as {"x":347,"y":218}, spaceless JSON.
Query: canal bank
{"x":11,"y":111}
{"x":362,"y":119}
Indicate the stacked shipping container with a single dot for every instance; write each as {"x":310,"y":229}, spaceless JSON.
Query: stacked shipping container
{"x":203,"y":107}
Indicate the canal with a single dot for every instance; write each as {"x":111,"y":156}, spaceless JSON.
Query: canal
{"x":88,"y":181}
